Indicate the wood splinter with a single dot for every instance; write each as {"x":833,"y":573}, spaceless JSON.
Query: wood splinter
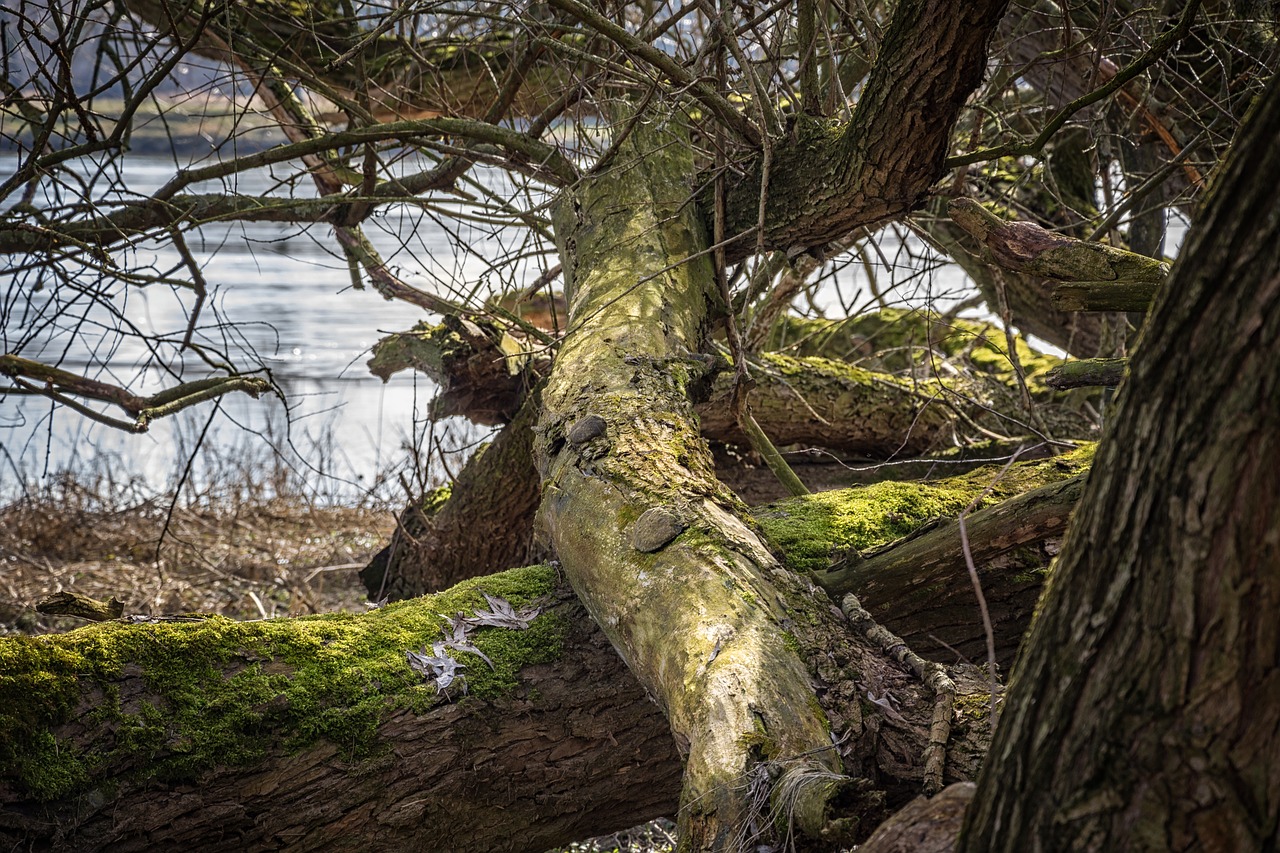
{"x":932,"y":675}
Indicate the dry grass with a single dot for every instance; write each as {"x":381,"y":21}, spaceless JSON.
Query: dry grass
{"x":249,"y":554}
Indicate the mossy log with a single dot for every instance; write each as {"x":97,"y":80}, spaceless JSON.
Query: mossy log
{"x":1026,"y":247}
{"x":654,"y":545}
{"x":1134,"y":296}
{"x":806,"y":399}
{"x":912,"y":584}
{"x":898,"y":547}
{"x":1088,"y":373}
{"x":808,"y":396}
{"x":315,"y":733}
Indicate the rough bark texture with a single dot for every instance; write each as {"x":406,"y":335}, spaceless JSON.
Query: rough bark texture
{"x":484,"y":525}
{"x":1029,"y":297}
{"x":314,"y":734}
{"x":829,"y":178}
{"x":1145,"y":713}
{"x":653,"y":544}
{"x":924,"y":826}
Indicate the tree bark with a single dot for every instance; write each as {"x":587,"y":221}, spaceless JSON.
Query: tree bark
{"x":484,"y":525}
{"x":1146,"y":711}
{"x":653,"y":544}
{"x":315,"y":734}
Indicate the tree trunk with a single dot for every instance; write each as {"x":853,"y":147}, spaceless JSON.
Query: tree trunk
{"x":1145,"y":714}
{"x":653,"y":544}
{"x":484,"y":525}
{"x":315,"y":734}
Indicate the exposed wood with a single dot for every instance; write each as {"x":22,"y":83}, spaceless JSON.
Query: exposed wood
{"x":482,"y":373}
{"x":1029,"y":297}
{"x":1026,"y":247}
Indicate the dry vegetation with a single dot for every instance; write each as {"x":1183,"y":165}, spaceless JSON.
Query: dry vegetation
{"x":249,"y":550}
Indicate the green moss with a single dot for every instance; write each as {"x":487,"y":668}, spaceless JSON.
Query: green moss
{"x":896,"y":339}
{"x":225,"y":693}
{"x":435,"y":499}
{"x":974,"y":707}
{"x":813,"y":529}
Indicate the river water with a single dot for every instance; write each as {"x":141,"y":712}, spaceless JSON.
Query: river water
{"x":279,"y":295}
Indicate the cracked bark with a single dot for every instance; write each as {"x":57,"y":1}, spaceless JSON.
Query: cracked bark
{"x":1160,"y":618}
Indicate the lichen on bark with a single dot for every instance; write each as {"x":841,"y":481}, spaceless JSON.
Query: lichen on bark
{"x":698,"y":621}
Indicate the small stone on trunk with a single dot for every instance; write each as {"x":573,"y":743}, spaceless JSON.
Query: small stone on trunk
{"x":654,"y":529}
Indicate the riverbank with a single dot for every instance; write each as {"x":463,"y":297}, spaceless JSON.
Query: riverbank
{"x":244,"y":556}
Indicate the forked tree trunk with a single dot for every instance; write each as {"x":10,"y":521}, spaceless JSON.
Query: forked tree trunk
{"x":1145,"y":711}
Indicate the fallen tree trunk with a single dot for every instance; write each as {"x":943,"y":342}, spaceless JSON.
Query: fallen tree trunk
{"x":1027,"y":248}
{"x":653,"y":544}
{"x":913,"y":585}
{"x":898,"y":547}
{"x":316,"y":733}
